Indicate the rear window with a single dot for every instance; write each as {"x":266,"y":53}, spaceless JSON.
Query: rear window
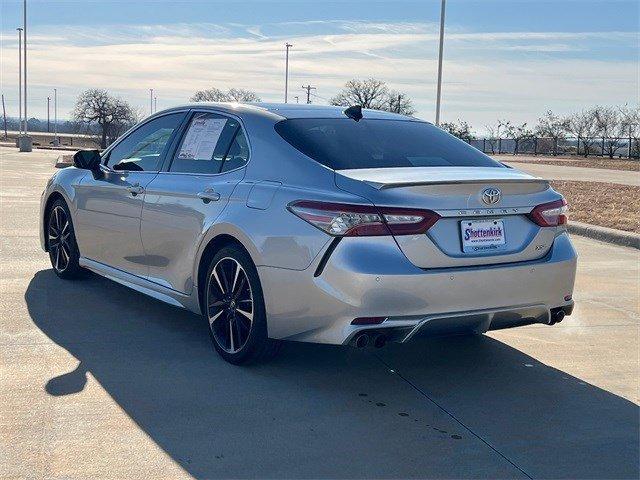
{"x":342,"y":143}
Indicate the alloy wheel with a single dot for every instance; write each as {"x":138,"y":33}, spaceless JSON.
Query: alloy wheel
{"x":230,"y":305}
{"x":59,"y":234}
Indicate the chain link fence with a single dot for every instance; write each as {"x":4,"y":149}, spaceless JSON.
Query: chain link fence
{"x":600,"y":147}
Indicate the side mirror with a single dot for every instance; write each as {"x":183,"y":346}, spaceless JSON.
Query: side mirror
{"x":87,"y":159}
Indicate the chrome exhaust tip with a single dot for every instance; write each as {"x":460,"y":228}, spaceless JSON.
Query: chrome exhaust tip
{"x":556,"y":316}
{"x":361,"y":340}
{"x":380,"y":340}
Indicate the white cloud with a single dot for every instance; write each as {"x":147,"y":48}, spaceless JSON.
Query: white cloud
{"x":487,"y":75}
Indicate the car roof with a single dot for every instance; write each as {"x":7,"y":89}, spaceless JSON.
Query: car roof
{"x":279,"y":111}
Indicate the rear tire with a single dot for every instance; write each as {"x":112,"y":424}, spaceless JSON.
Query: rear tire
{"x":234,"y":308}
{"x":61,"y":242}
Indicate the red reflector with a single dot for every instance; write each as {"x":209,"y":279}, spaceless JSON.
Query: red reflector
{"x":367,"y":320}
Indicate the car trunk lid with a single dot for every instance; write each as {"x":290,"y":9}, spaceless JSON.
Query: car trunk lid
{"x":456,"y":194}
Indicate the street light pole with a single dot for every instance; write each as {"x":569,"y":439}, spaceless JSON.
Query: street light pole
{"x":48,"y":113}
{"x":56,"y":142}
{"x":442,"y":9}
{"x":286,"y":72}
{"x":26,"y":118}
{"x":20,"y":78}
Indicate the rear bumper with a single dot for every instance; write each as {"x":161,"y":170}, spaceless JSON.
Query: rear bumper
{"x":370,"y":277}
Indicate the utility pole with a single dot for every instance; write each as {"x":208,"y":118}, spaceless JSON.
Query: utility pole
{"x":155,"y":104}
{"x":287,"y":46}
{"x":20,"y":79}
{"x":48,"y":113}
{"x":151,"y":100}
{"x":308,"y":88}
{"x":439,"y":92}
{"x":4,"y":115}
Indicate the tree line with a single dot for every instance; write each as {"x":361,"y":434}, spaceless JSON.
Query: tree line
{"x":99,"y":112}
{"x":612,"y":126}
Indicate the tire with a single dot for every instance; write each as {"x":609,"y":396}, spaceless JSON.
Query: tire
{"x":234,"y":309}
{"x":61,"y":241}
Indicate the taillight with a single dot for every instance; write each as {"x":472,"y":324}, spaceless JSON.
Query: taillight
{"x":550,"y":214}
{"x":349,"y":220}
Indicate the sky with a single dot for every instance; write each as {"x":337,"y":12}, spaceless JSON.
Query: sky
{"x":503,"y":59}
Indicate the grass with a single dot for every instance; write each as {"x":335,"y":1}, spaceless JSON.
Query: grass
{"x":604,"y":204}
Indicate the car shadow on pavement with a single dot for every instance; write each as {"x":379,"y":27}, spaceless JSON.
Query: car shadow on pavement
{"x":447,"y":407}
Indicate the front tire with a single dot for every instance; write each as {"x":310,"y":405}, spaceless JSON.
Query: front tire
{"x":234,"y":308}
{"x":61,"y":241}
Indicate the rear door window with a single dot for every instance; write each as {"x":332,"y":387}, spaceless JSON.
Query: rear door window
{"x":238,"y":154}
{"x":206,"y":144}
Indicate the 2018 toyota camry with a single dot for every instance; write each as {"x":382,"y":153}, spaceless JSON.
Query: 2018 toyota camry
{"x":312,"y":223}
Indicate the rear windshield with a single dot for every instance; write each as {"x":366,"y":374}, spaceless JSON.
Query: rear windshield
{"x":342,"y":143}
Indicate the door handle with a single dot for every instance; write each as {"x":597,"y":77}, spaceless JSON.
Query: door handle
{"x":135,"y":189}
{"x":209,"y":195}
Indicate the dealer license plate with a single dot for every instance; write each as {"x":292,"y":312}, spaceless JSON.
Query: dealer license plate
{"x":482,"y":235}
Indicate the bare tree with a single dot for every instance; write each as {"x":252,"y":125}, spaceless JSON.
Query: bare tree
{"x":583,"y":126}
{"x":232,"y":95}
{"x":459,"y":129}
{"x":110,"y":114}
{"x":552,"y":126}
{"x":495,"y":131}
{"x":517,"y":133}
{"x":400,"y":103}
{"x":242,"y":95}
{"x":630,"y":119}
{"x":373,"y":93}
{"x":611,"y":128}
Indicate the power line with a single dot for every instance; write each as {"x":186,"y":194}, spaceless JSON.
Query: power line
{"x":320,"y":97}
{"x":308,"y":88}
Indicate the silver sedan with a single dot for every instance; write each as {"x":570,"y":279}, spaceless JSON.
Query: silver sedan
{"x":310,"y":223}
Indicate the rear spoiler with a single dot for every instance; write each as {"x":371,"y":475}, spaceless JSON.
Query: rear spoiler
{"x":384,"y":186}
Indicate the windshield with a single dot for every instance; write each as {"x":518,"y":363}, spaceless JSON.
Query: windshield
{"x":342,"y":143}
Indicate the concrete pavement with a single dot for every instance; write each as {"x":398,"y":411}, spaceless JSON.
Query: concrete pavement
{"x":98,"y":381}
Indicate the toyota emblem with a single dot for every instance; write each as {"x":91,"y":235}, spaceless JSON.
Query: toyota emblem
{"x":491,"y":196}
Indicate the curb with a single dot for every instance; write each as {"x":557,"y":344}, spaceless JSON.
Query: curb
{"x":66,"y":148}
{"x":604,"y":234}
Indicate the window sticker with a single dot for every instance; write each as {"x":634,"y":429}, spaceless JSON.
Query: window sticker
{"x":201,"y":138}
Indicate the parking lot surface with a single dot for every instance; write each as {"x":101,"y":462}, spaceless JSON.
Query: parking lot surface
{"x":98,"y":381}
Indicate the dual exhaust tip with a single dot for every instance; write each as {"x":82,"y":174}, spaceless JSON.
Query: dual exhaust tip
{"x":363,"y":340}
{"x":556,"y":316}
{"x":379,"y":340}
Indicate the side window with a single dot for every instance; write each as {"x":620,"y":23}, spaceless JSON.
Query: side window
{"x":205,"y":144}
{"x":143,"y":149}
{"x":238,"y":154}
